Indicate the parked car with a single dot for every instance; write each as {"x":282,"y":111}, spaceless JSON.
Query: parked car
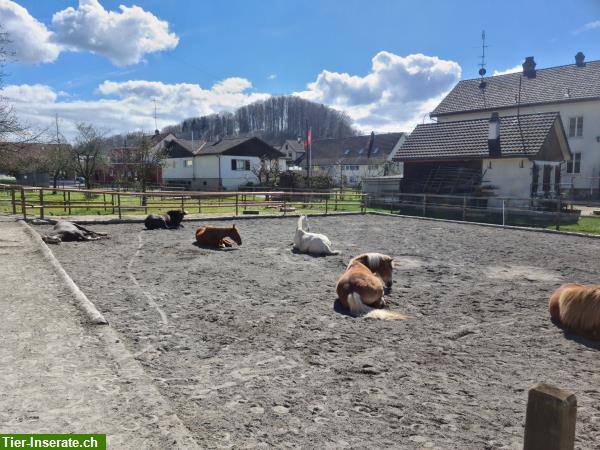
{"x":80,"y":180}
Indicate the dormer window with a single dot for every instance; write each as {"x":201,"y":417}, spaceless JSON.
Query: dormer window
{"x":576,"y":126}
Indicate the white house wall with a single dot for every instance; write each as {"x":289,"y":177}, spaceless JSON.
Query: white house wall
{"x":587,"y":145}
{"x":508,"y":178}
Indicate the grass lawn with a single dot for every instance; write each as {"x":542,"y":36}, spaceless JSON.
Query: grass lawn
{"x":586,"y":225}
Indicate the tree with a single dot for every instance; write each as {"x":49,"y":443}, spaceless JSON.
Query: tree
{"x":145,"y":158}
{"x":88,"y":151}
{"x":58,"y":157}
{"x":267,"y":171}
{"x":12,"y":132}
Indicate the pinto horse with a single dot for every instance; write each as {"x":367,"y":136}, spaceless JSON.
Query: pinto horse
{"x":360,"y":288}
{"x":172,"y":219}
{"x":577,"y":308}
{"x":64,"y":231}
{"x":215,"y":236}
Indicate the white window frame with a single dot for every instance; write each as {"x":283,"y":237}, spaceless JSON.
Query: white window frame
{"x":188,"y":163}
{"x":574,"y":166}
{"x":576,"y":131}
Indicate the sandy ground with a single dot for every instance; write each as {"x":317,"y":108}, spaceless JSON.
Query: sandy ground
{"x":247,"y":346}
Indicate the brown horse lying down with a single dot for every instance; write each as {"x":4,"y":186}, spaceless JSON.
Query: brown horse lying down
{"x":64,"y":231}
{"x":215,"y":236}
{"x":361,"y":286}
{"x":577,"y":308}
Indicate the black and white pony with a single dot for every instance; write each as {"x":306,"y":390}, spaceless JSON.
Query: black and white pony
{"x":172,"y":219}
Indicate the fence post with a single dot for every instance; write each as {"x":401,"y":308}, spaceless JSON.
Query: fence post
{"x":23,"y":208}
{"x":284,"y":204}
{"x":558,"y":208}
{"x":119,"y":204}
{"x":464,"y":217}
{"x":182,"y":203}
{"x":112,"y":202}
{"x":41,"y":203}
{"x":424,"y":205}
{"x":335,"y":198}
{"x":236,"y":203}
{"x":551,"y":418}
{"x":327,"y":204}
{"x":69,"y":201}
{"x":13,"y":201}
{"x":503,"y":214}
{"x":199,"y":206}
{"x":104,"y":200}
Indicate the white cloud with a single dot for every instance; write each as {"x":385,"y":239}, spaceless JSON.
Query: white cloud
{"x":30,"y":39}
{"x":128,"y":106}
{"x":272,"y":76}
{"x":517,"y":68}
{"x":395,"y":95}
{"x":588,"y":27}
{"x":123,"y":37}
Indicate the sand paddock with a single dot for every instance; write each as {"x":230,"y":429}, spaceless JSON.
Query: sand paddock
{"x":248,"y":348}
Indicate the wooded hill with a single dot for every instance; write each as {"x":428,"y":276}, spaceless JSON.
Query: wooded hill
{"x":273,"y":120}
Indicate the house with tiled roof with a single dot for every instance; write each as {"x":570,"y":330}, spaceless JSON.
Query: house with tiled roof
{"x":527,"y":104}
{"x":353,"y":158}
{"x":292,"y":149}
{"x":228,"y":163}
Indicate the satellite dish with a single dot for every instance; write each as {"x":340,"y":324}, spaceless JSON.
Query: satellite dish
{"x":482,"y":71}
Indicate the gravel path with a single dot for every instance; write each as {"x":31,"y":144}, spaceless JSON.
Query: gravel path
{"x":247,"y":345}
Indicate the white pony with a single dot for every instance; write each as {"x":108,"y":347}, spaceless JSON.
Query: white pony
{"x":311,"y":243}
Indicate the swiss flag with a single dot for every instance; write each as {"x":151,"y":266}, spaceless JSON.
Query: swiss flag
{"x":307,"y":142}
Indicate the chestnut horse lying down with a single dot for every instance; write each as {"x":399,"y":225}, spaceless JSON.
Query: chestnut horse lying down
{"x":361,"y":286}
{"x":215,"y":236}
{"x":64,"y":231}
{"x":172,"y":219}
{"x":312,"y":243}
{"x":577,"y":308}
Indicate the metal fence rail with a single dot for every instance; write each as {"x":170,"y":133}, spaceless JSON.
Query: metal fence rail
{"x":537,"y":212}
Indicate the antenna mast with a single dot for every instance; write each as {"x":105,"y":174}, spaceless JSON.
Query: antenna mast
{"x":482,"y":70}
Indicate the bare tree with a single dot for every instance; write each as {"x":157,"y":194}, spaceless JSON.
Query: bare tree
{"x":145,"y":158}
{"x":267,"y":171}
{"x":88,"y":151}
{"x":58,"y":157}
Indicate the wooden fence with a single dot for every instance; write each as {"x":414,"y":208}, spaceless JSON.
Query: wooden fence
{"x":38,"y":201}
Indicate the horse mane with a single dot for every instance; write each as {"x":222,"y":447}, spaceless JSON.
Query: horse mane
{"x":301,"y":220}
{"x":373,"y":260}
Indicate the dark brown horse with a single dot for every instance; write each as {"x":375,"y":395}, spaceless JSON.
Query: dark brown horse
{"x":216,"y":236}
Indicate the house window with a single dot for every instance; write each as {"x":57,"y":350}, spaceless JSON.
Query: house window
{"x":240,"y":164}
{"x":576,"y":126}
{"x":574,"y":166}
{"x":188,"y":163}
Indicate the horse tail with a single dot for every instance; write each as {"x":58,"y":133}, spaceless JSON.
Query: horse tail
{"x":358,"y":309}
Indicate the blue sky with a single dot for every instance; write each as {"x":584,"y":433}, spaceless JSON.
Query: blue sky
{"x":271,"y":47}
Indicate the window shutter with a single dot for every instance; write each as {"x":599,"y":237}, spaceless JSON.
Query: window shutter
{"x":572,"y":122}
{"x":577,"y":166}
{"x":247,"y":165}
{"x":233,"y":164}
{"x":569,"y":166}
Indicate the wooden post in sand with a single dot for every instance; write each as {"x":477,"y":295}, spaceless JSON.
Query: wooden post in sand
{"x":551,"y":418}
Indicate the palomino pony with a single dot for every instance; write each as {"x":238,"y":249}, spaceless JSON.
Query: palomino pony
{"x":215,"y":236}
{"x":577,"y":308}
{"x":312,"y":243}
{"x":361,"y":286}
{"x":64,"y":231}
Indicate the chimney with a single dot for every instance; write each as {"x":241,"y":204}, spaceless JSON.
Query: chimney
{"x":494,"y":136}
{"x":580,"y":59}
{"x":529,"y":67}
{"x":156,"y":132}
